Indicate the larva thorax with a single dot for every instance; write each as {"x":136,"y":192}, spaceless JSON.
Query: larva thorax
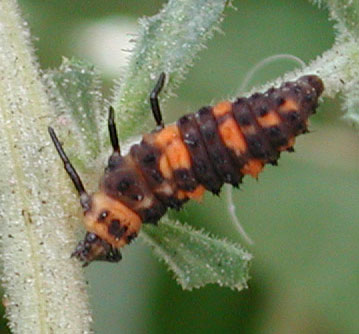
{"x":202,"y":151}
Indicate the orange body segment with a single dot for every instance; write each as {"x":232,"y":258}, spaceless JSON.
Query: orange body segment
{"x":268,"y":120}
{"x":171,"y":144}
{"x":222,"y":108}
{"x":288,"y":105}
{"x":196,"y":194}
{"x":232,"y":136}
{"x":116,"y":210}
{"x":166,"y":135}
{"x":165,"y":167}
{"x":178,"y":155}
{"x":253,"y":167}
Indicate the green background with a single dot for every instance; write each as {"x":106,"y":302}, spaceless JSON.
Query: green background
{"x":302,"y":215}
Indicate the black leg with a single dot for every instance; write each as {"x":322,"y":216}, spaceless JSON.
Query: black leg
{"x":75,"y":178}
{"x":112,"y":130}
{"x":156,"y":111}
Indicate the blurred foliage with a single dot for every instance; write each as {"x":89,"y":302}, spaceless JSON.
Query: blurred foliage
{"x":302,"y":215}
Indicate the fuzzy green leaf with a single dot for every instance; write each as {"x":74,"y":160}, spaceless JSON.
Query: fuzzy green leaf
{"x":74,"y":89}
{"x":196,"y":258}
{"x":351,"y":102}
{"x":346,"y":12}
{"x":167,"y":42}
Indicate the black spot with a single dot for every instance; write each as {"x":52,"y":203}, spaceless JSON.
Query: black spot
{"x":131,"y":236}
{"x":218,"y":157}
{"x":149,"y":158}
{"x":174,"y":203}
{"x":293,"y":116}
{"x":297,"y":90}
{"x":274,"y":131}
{"x":263,"y":111}
{"x":290,"y":149}
{"x":102,"y":216}
{"x":204,"y":111}
{"x":256,"y":147}
{"x":114,"y":161}
{"x":244,"y":119}
{"x":156,"y":175}
{"x":136,"y":197}
{"x":208,"y":132}
{"x":152,"y":215}
{"x":190,"y":141}
{"x":183,"y":120}
{"x":279,"y":101}
{"x":182,"y":173}
{"x":116,"y":229}
{"x":124,"y":184}
{"x":256,"y":96}
{"x":90,"y":237}
{"x":309,"y":97}
{"x":185,"y":179}
{"x":201,"y":166}
{"x":216,"y":192}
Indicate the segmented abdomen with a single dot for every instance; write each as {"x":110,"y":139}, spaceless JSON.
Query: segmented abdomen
{"x":213,"y":146}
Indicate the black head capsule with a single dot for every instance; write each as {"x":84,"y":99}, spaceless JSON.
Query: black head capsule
{"x":94,"y":248}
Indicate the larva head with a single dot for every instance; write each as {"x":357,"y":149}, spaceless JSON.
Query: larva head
{"x":313,"y":81}
{"x":94,"y":248}
{"x":110,"y":225}
{"x":310,"y":88}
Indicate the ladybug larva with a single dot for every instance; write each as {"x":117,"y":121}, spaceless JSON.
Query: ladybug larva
{"x":178,"y":162}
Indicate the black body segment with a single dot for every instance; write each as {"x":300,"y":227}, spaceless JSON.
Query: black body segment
{"x":125,"y":183}
{"x":257,"y":143}
{"x":276,"y":135}
{"x":201,"y":164}
{"x":217,"y":151}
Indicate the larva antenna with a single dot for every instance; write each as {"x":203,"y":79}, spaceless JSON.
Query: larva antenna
{"x":71,"y":171}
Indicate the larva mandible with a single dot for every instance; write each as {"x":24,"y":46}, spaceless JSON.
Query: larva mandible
{"x":178,"y":162}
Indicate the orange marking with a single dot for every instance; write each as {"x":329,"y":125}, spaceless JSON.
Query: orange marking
{"x":181,"y":194}
{"x":118,"y":210}
{"x":270,"y":119}
{"x":232,"y":136}
{"x":178,"y":155}
{"x":288,"y":105}
{"x":222,"y":108}
{"x":165,"y":167}
{"x":170,"y":142}
{"x":196,"y":194}
{"x":248,"y":130}
{"x":252,"y":167}
{"x":167,"y":135}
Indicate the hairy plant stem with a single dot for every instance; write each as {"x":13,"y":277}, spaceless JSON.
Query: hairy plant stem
{"x":45,"y":290}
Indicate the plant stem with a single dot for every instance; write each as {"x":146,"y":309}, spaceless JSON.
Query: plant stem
{"x":45,"y":291}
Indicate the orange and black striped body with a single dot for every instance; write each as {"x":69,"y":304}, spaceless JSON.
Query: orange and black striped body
{"x":202,"y":151}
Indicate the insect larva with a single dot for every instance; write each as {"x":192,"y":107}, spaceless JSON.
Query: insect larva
{"x":178,"y":162}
